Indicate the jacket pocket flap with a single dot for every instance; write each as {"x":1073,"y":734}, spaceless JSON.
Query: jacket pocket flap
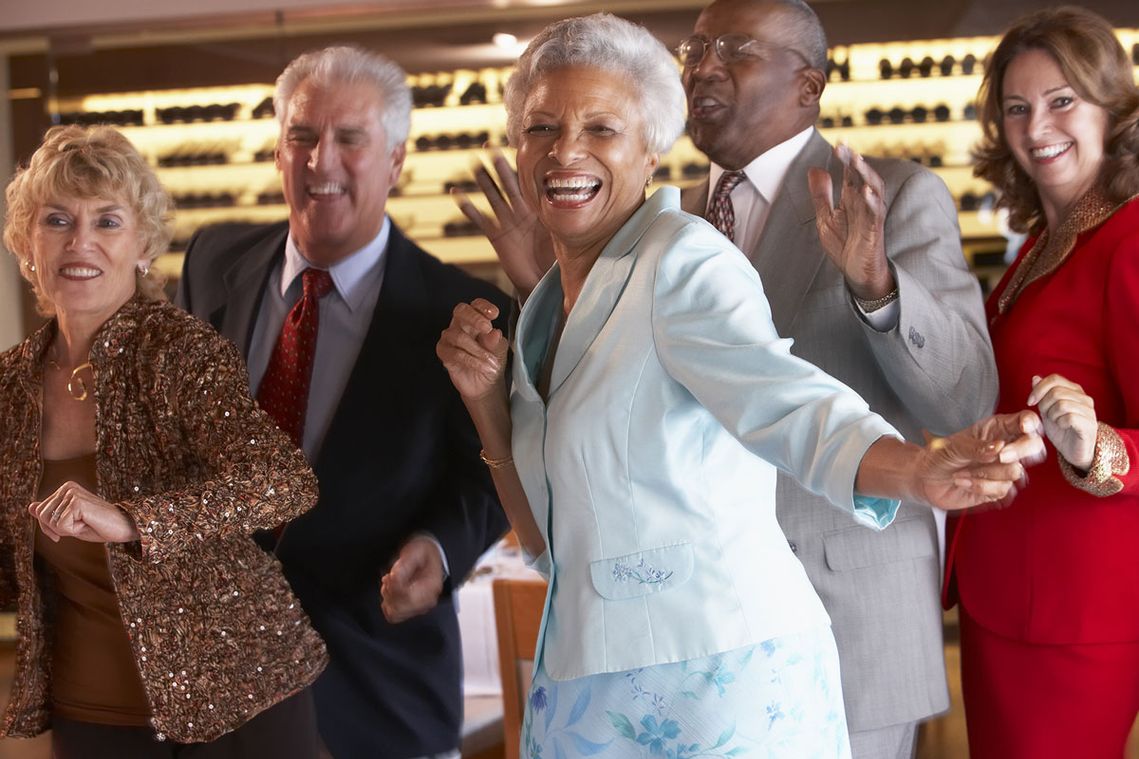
{"x":858,"y":547}
{"x":643,"y":572}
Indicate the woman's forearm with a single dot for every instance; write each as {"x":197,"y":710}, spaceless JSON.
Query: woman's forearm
{"x":983,"y":463}
{"x":889,"y":469}
{"x":491,"y":417}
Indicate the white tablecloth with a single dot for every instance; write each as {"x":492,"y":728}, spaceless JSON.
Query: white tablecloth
{"x":476,"y":619}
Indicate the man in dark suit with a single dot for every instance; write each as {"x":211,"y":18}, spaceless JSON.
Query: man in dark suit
{"x":406,"y":506}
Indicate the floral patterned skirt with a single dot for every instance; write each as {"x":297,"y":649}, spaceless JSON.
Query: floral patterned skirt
{"x":779,"y":699}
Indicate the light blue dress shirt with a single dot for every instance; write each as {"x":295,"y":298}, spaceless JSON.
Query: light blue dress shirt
{"x":345,"y":316}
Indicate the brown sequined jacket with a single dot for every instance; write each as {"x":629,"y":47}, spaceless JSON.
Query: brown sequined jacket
{"x":217,"y":633}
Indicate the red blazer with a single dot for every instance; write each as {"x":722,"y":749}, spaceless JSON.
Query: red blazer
{"x":1060,"y":565}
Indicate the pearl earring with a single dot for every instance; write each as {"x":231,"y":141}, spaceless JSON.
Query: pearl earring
{"x":143,"y":268}
{"x":30,"y":266}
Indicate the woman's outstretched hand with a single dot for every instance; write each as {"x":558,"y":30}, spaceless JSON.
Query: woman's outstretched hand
{"x":473,"y":351}
{"x":73,"y":511}
{"x":982,"y":464}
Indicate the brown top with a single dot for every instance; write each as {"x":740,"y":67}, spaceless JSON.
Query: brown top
{"x":216,"y":633}
{"x":93,"y":674}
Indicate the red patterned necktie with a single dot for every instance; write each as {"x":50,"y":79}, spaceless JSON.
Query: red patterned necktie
{"x":721,"y":214}
{"x":284,"y":388}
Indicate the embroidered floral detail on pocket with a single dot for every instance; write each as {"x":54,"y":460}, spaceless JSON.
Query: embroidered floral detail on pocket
{"x":653,"y":570}
{"x":642,"y":572}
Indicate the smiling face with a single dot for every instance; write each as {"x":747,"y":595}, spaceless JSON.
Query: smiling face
{"x":582,"y":158}
{"x":738,"y":111}
{"x":336,"y":168}
{"x":1055,"y":135}
{"x":86,"y":252}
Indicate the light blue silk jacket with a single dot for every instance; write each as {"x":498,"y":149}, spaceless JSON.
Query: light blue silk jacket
{"x":651,"y":470}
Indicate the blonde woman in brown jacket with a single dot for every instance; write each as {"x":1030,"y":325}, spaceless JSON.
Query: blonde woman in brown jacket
{"x":134,"y":468}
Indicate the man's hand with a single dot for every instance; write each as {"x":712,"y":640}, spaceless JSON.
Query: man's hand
{"x":853,"y":233}
{"x":413,"y":584}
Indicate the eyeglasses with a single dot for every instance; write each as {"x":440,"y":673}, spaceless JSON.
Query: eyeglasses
{"x":730,"y":48}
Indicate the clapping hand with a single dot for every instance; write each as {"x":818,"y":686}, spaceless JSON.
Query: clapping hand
{"x":73,"y":511}
{"x":853,"y":233}
{"x":521,"y":242}
{"x":983,"y":463}
{"x":473,"y":351}
{"x":1069,"y":418}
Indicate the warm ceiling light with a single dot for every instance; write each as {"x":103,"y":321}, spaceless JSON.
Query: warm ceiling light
{"x":504,"y":40}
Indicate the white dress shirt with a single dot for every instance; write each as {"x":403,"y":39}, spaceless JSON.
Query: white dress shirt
{"x":752,"y":200}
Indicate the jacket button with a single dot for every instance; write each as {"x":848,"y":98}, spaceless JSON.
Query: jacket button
{"x":794,"y":548}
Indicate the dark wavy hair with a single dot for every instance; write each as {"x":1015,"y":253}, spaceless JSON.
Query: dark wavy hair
{"x":1085,"y":47}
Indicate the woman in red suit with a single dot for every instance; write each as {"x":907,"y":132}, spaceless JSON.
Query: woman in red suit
{"x":1049,"y":587}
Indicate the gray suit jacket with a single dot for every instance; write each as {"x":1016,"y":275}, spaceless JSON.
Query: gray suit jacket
{"x":933,"y":371}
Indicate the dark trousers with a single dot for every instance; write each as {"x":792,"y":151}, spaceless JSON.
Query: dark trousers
{"x":284,"y":731}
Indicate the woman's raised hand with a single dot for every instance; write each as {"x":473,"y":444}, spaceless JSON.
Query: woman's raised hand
{"x":522,"y":244}
{"x":473,"y":351}
{"x":1069,"y":418}
{"x":73,"y":511}
{"x":983,"y":463}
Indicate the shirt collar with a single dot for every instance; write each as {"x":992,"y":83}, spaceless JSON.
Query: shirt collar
{"x":768,"y":170}
{"x":349,"y":275}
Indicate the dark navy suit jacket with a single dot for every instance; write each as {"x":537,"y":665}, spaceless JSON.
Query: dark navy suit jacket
{"x":400,"y":456}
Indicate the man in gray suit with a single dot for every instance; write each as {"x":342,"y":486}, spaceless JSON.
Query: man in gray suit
{"x":875,"y":291}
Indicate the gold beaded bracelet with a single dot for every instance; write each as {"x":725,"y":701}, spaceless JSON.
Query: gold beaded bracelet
{"x":870,"y":306}
{"x":492,"y":464}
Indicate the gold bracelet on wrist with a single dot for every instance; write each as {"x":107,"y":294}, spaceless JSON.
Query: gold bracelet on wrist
{"x":493,"y":464}
{"x":870,"y":306}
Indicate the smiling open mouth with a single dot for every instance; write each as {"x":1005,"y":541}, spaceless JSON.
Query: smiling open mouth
{"x":571,"y":191}
{"x":703,"y":107}
{"x":79,"y":272}
{"x":326,"y":190}
{"x":1051,"y":151}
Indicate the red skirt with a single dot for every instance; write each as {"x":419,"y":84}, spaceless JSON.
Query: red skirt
{"x":1027,"y":701}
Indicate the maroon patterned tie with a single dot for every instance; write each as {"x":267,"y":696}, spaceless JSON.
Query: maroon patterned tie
{"x":284,"y":388}
{"x":721,"y":214}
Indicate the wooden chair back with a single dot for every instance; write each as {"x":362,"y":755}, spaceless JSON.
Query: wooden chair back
{"x":518,"y":607}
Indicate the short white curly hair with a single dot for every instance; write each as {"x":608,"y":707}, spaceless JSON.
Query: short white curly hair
{"x":612,"y":44}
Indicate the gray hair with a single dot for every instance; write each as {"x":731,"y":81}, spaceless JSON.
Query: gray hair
{"x":349,"y":65}
{"x":805,"y":29}
{"x":612,"y":44}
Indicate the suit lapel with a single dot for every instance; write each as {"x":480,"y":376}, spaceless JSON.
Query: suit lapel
{"x":395,"y":324}
{"x":604,"y":285}
{"x":788,"y":256}
{"x":245,"y":284}
{"x":602,"y":289}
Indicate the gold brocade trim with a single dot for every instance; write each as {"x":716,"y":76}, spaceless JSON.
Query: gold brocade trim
{"x":1109,"y":462}
{"x":1051,"y":250}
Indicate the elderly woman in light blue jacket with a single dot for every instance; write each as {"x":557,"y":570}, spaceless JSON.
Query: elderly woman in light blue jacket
{"x":636,"y":456}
